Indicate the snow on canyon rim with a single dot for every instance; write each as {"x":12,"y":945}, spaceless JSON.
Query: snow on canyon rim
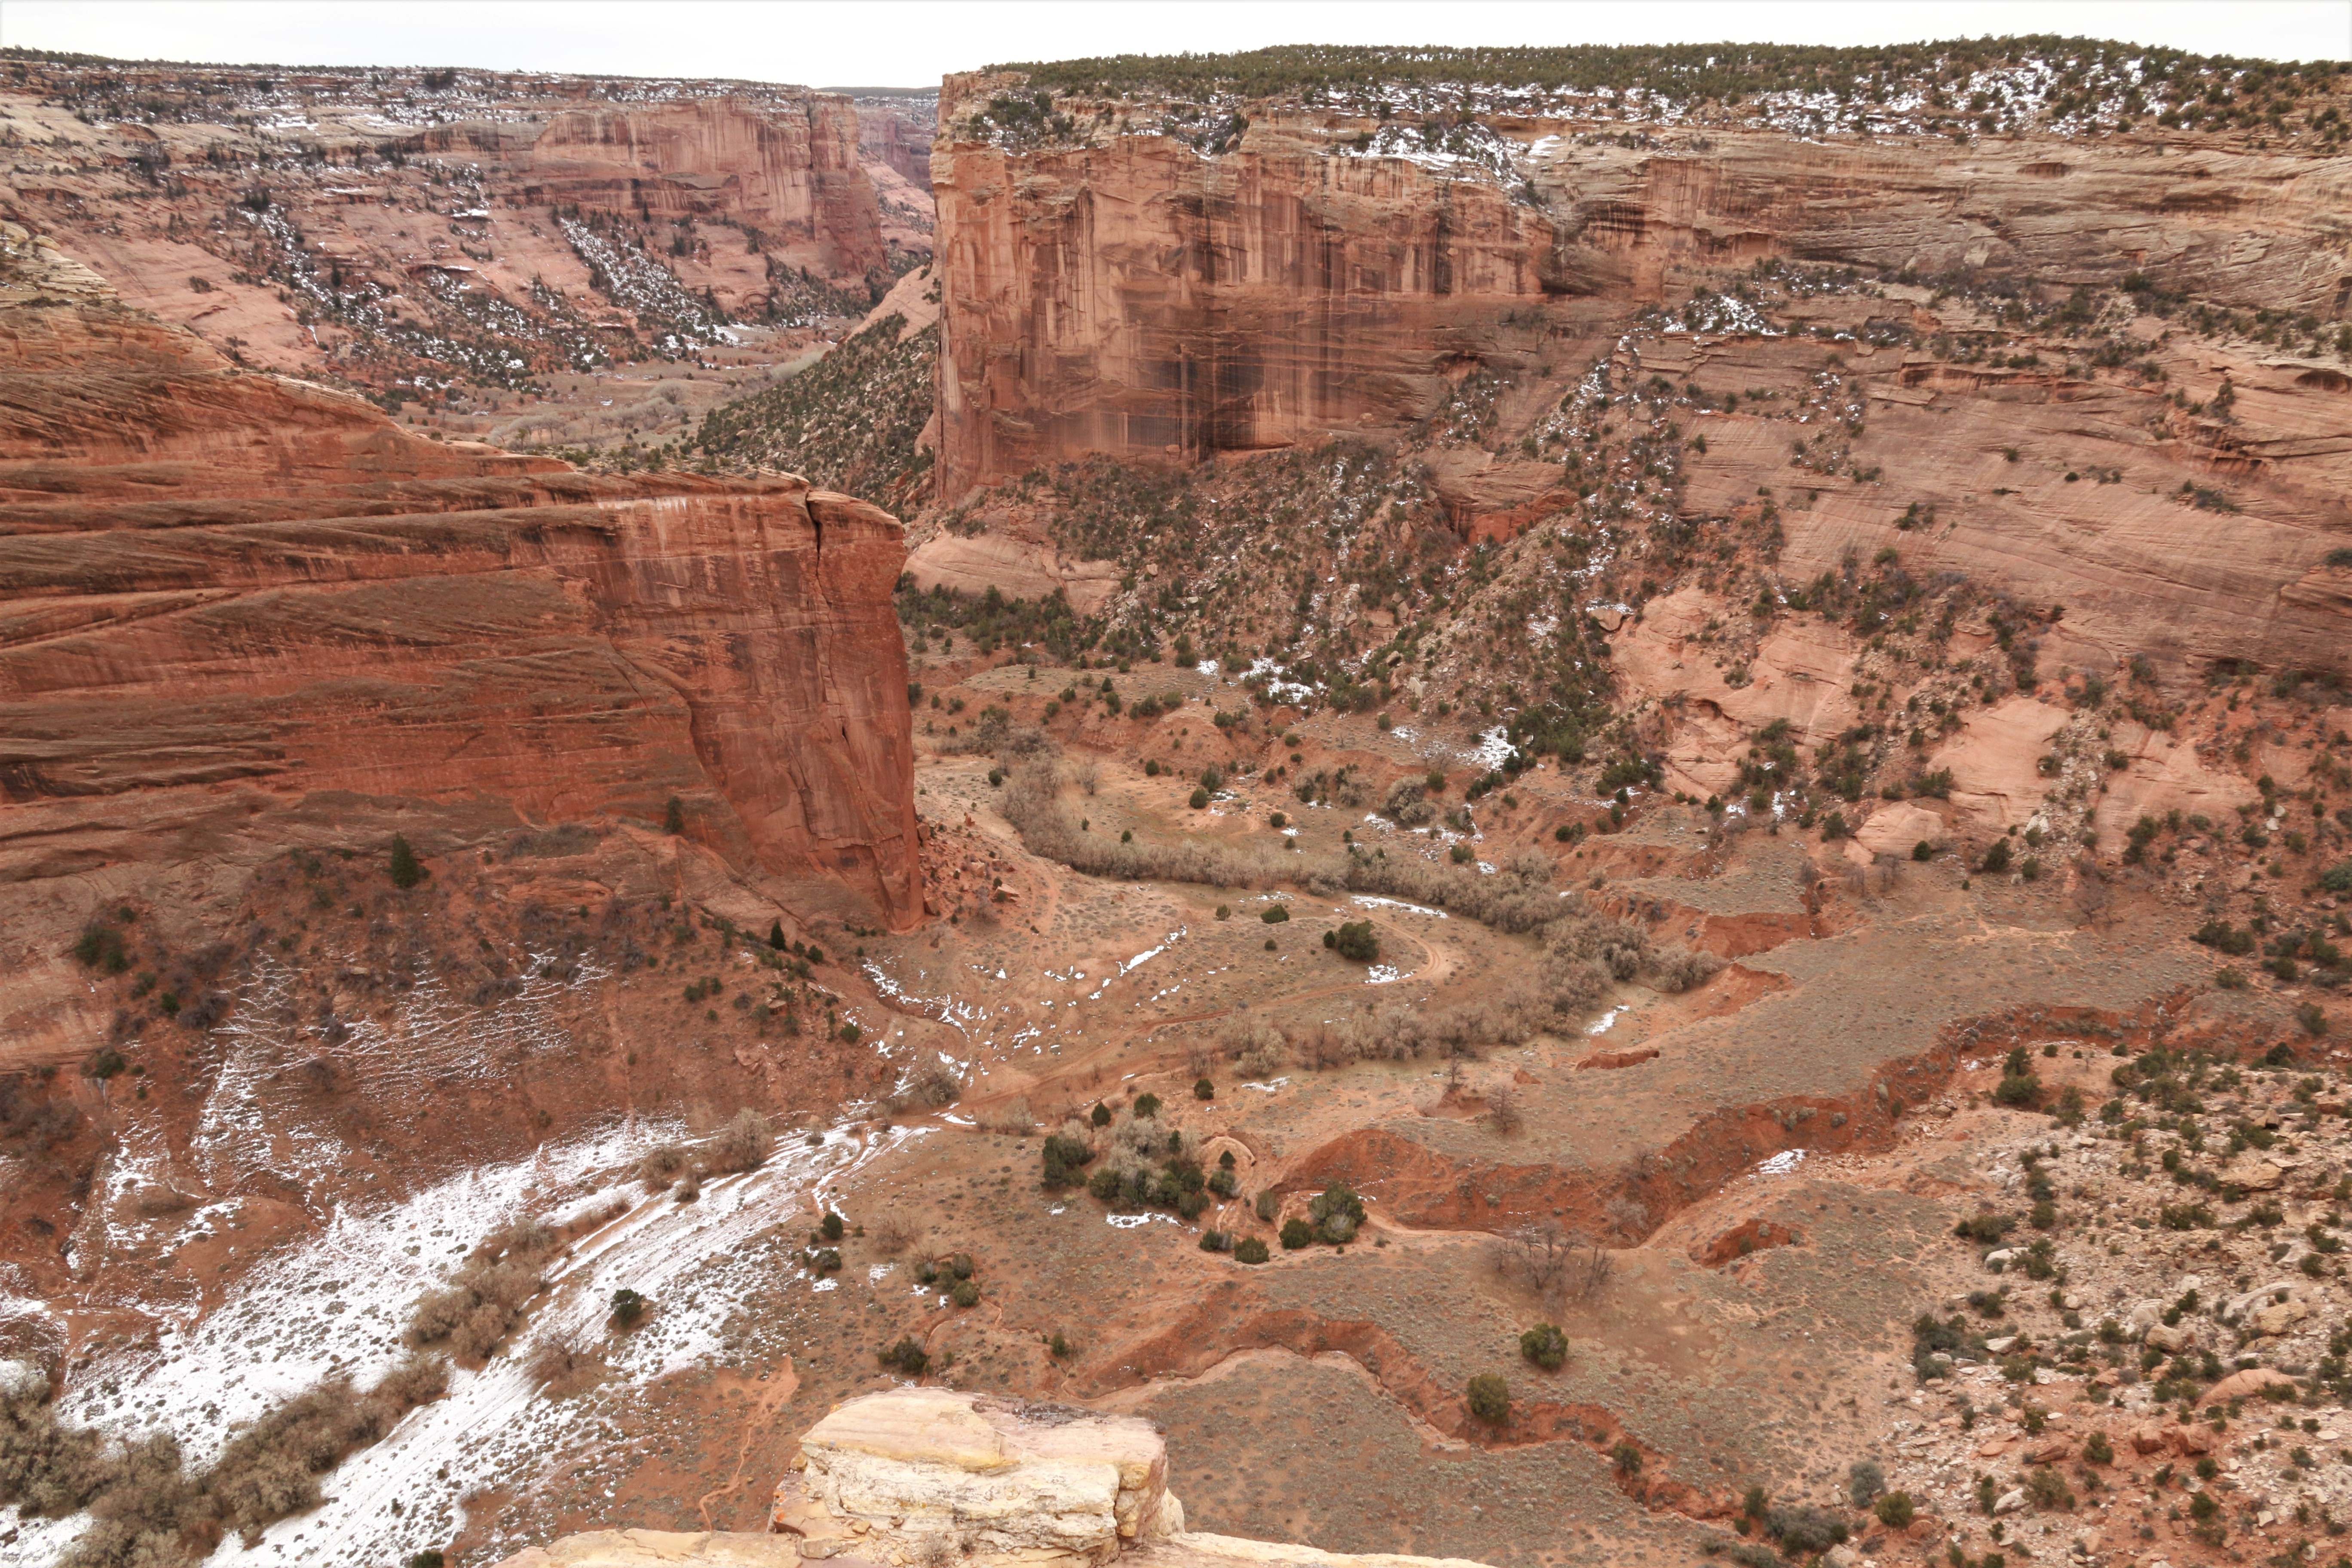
{"x":336,"y":1302}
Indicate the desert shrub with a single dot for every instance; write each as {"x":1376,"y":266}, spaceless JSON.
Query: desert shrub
{"x":934,"y":1084}
{"x":1803,"y":1529}
{"x":1297,"y":1232}
{"x":830,"y":1226}
{"x":1489,"y":1398}
{"x":1146,"y":1105}
{"x":1100,"y":1115}
{"x":744,"y":1144}
{"x":1249,"y":1249}
{"x":1753,"y":1554}
{"x":628,"y":1306}
{"x":1354,"y":941}
{"x":1064,"y":1156}
{"x":1214,"y":1241}
{"x":1680,"y":969}
{"x":1864,"y":1480}
{"x":1546,"y":1346}
{"x":485,"y":1295}
{"x":406,"y":870}
{"x":1275,"y":914}
{"x":1996,"y":858}
{"x":1408,"y":803}
{"x":965,"y":1294}
{"x":2098,"y":1449}
{"x":2048,"y":1488}
{"x":562,"y":1368}
{"x":1336,"y":1213}
{"x":1986,"y":1229}
{"x":661,"y":1167}
{"x":1896,"y":1511}
{"x":270,"y":1468}
{"x":1202,"y":1089}
{"x":1625,"y":1458}
{"x":905,"y":1354}
{"x":2021,"y":1090}
{"x":102,"y":947}
{"x":1268,"y":1202}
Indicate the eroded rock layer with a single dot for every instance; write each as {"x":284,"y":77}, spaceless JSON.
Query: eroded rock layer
{"x":1123,"y":290}
{"x":238,"y":612}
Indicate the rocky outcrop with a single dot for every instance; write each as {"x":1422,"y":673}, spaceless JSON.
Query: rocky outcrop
{"x":1139,"y":300}
{"x":932,"y":1476}
{"x":496,"y":235}
{"x":915,"y":1473}
{"x":790,"y":170}
{"x":239,"y":614}
{"x":1127,"y":289}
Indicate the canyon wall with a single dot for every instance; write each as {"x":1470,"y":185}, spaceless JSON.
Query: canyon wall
{"x":790,"y":170}
{"x":467,"y":241}
{"x":1139,"y":299}
{"x":1124,"y":291}
{"x":1119,"y":281}
{"x":239,"y":614}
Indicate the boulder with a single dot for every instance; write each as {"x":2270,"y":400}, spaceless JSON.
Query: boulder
{"x":913,"y":1469}
{"x":2251,"y":1384}
{"x":2237,"y":1308}
{"x":2278,"y":1317}
{"x":2173,"y":1340}
{"x":2253,"y":1174}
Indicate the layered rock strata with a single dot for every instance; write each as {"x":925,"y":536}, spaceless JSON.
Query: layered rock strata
{"x":1122,"y":288}
{"x":239,"y":613}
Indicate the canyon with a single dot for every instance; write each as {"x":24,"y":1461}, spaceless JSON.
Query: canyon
{"x":484,"y":253}
{"x":1580,"y":808}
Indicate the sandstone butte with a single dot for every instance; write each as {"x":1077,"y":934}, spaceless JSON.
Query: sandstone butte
{"x":915,"y":1476}
{"x":1120,"y":291}
{"x":243,"y":613}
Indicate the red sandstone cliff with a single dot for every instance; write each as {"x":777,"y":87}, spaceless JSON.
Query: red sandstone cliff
{"x":1124,"y":286}
{"x":1139,"y":299}
{"x":238,"y":613}
{"x":1121,"y":290}
{"x":790,"y":170}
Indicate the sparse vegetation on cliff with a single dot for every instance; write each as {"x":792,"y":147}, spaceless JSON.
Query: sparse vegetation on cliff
{"x":1969,"y":85}
{"x":849,"y":422}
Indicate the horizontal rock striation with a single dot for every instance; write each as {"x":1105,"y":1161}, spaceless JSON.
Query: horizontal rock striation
{"x":1123,"y":290}
{"x":238,"y":612}
{"x":790,"y":170}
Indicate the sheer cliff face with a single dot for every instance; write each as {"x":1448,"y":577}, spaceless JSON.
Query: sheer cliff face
{"x":1125,"y":293}
{"x":1140,"y":299}
{"x":1112,"y":288}
{"x":790,"y":170}
{"x":238,"y":613}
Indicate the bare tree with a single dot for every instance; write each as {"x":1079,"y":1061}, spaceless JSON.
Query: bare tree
{"x":1535,"y":1255}
{"x":1588,"y":1274}
{"x":1548,"y":1261}
{"x":1502,"y":1110}
{"x":892,"y":1234}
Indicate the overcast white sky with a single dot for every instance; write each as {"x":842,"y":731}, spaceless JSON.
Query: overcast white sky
{"x":911,"y":43}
